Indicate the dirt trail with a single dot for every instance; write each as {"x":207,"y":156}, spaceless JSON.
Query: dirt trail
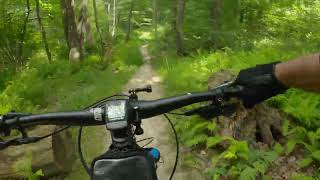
{"x":158,"y":127}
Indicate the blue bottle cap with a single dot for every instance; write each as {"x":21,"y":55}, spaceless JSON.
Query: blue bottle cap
{"x":155,"y":153}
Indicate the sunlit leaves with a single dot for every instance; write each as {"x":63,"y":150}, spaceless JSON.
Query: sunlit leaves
{"x":45,"y":5}
{"x":237,"y":149}
{"x":278,"y":148}
{"x":305,"y":162}
{"x":212,"y":127}
{"x":301,"y":177}
{"x":290,"y":146}
{"x":248,"y":173}
{"x":309,"y":140}
{"x":212,"y":141}
{"x":200,"y":138}
{"x":260,"y":166}
{"x":316,"y":155}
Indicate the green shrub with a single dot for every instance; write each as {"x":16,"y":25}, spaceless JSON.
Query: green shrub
{"x":24,"y":168}
{"x":309,"y":140}
{"x":128,"y":53}
{"x":60,"y":86}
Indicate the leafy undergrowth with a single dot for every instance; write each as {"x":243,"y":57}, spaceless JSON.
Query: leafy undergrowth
{"x":237,"y":159}
{"x":24,"y":167}
{"x":61,"y":86}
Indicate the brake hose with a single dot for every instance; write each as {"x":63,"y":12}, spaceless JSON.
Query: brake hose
{"x":83,"y":161}
{"x":177,"y":146}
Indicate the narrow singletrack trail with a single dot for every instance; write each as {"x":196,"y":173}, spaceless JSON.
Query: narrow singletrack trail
{"x":158,"y":127}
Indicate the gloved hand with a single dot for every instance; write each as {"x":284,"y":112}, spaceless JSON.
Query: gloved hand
{"x":260,"y":83}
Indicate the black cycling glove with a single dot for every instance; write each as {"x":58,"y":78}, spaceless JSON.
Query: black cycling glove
{"x":260,"y":83}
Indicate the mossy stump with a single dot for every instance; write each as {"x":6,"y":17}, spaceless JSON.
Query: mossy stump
{"x":260,"y":125}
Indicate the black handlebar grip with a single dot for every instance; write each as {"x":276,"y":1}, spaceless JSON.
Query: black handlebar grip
{"x":77,"y":118}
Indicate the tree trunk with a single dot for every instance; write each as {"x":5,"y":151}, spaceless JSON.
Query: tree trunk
{"x":108,"y":12}
{"x":108,"y":36}
{"x":64,"y":6}
{"x":83,"y":25}
{"x":155,"y":18}
{"x":216,"y":12}
{"x":114,"y":16}
{"x":260,"y":126}
{"x":43,"y":32}
{"x":97,"y":25}
{"x":129,"y":21}
{"x":22,"y":34}
{"x":180,"y":7}
{"x":70,"y":30}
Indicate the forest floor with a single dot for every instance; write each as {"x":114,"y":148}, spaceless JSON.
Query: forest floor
{"x":158,"y":127}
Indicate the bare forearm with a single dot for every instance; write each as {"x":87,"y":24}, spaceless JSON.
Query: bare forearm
{"x":303,"y":73}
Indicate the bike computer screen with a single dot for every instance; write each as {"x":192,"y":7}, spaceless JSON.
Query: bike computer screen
{"x":116,"y":111}
{"x":116,"y":114}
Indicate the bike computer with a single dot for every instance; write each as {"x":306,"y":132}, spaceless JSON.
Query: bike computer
{"x":116,"y":114}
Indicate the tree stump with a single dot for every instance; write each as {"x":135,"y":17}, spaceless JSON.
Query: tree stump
{"x":53,"y":155}
{"x":259,"y":126}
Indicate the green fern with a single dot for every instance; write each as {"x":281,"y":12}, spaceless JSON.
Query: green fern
{"x":241,"y":162}
{"x":191,"y":161}
{"x":197,"y":139}
{"x":248,"y":173}
{"x":237,"y":149}
{"x":302,"y":177}
{"x":24,"y":167}
{"x":212,"y":141}
{"x":309,"y":140}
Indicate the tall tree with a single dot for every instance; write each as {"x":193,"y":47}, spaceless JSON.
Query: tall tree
{"x":13,"y":27}
{"x":225,"y":18}
{"x":107,"y":6}
{"x":216,"y":12}
{"x":83,"y":25}
{"x":129,"y":20}
{"x":70,"y":30}
{"x":114,"y":18}
{"x":97,"y":25}
{"x":108,"y":45}
{"x":23,"y":33}
{"x":155,"y":18}
{"x":43,"y":32}
{"x":178,"y":26}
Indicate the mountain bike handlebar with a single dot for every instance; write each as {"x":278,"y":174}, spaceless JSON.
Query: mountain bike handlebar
{"x":57,"y":118}
{"x":122,"y":118}
{"x":145,"y":109}
{"x":149,"y":109}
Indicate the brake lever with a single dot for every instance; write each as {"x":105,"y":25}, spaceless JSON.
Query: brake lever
{"x":227,"y":91}
{"x":4,"y":130}
{"x":218,"y":108}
